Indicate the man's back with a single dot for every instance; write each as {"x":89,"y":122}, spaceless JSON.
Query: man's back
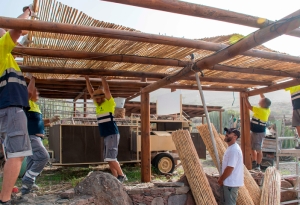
{"x":13,"y":89}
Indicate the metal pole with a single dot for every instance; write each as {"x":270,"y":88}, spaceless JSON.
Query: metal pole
{"x":208,"y":121}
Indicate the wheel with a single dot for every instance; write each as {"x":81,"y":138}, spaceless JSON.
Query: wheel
{"x":164,"y":163}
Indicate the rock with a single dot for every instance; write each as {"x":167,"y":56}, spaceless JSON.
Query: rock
{"x":177,"y":199}
{"x":69,"y":194}
{"x":62,"y":201}
{"x":158,"y":201}
{"x":213,"y":182}
{"x":105,"y":188}
{"x":182,"y":190}
{"x":135,"y":191}
{"x":168,"y":184}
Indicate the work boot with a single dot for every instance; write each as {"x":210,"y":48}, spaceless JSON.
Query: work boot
{"x":122,"y":178}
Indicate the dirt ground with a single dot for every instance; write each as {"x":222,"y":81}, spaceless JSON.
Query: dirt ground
{"x":55,"y":180}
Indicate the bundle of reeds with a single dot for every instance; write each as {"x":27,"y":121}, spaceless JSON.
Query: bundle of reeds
{"x":193,"y":169}
{"x":271,"y":187}
{"x":248,"y":194}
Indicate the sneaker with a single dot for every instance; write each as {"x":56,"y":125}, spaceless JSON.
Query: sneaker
{"x":122,"y":178}
{"x":6,"y":203}
{"x":254,"y":164}
{"x":257,"y":168}
{"x":35,"y":187}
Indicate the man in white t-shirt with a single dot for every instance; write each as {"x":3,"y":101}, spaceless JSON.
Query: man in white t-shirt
{"x":232,"y":167}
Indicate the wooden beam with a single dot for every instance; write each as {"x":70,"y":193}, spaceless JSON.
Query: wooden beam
{"x":257,"y":38}
{"x":275,"y":87}
{"x":257,"y":71}
{"x":25,"y":24}
{"x":133,"y":84}
{"x":144,"y":75}
{"x":133,"y":96}
{"x":80,"y":94}
{"x":145,"y":138}
{"x":197,"y":10}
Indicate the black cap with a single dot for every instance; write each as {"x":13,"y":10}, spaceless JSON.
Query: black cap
{"x":233,"y":130}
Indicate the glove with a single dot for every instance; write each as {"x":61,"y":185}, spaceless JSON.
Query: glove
{"x":28,"y":75}
{"x":25,"y":41}
{"x":55,"y":118}
{"x":32,"y":13}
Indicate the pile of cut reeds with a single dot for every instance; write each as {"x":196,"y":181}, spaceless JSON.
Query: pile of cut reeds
{"x":192,"y":168}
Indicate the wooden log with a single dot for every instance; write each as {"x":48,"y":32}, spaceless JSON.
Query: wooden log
{"x":259,"y":37}
{"x":242,"y":140}
{"x":84,"y":105}
{"x":144,"y":75}
{"x":145,"y":138}
{"x":197,"y":10}
{"x":247,"y":137}
{"x":274,"y":87}
{"x":25,"y":24}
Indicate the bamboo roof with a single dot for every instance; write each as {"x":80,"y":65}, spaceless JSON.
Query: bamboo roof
{"x":53,"y":11}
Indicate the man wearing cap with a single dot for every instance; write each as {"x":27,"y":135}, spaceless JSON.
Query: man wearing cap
{"x":13,"y":102}
{"x":232,"y":167}
{"x":105,"y":108}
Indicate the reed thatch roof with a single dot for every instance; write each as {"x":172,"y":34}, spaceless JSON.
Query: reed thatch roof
{"x":53,"y":11}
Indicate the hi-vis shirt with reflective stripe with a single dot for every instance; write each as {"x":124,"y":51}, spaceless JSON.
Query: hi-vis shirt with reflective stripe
{"x":13,"y":89}
{"x":107,"y":125}
{"x":259,"y":119}
{"x":295,"y":96}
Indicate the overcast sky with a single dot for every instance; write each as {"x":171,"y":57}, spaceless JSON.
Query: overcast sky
{"x":152,"y":21}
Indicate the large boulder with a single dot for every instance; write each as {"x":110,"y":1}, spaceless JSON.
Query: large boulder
{"x":105,"y":188}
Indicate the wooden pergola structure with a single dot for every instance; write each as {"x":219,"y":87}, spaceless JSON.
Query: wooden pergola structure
{"x":73,"y":44}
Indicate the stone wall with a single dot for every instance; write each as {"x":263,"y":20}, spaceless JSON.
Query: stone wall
{"x":169,"y":193}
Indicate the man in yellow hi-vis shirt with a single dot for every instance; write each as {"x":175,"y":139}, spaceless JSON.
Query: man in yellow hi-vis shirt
{"x":13,"y":102}
{"x":295,"y":95}
{"x":105,"y":108}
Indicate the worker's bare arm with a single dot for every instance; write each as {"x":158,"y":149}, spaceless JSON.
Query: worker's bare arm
{"x":15,"y":33}
{"x":89,"y":86}
{"x":106,"y":88}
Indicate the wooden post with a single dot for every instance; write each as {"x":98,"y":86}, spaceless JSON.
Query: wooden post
{"x":202,"y":120}
{"x":85,"y":105}
{"x":145,"y":138}
{"x":221,"y":122}
{"x":74,"y":109}
{"x":245,"y":133}
{"x":173,"y":89}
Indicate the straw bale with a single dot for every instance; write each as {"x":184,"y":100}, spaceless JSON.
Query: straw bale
{"x":193,"y":169}
{"x":248,"y":194}
{"x":271,"y":187}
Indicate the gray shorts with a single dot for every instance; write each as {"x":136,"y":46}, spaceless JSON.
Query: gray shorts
{"x":230,"y":195}
{"x":111,"y":144}
{"x":296,"y":118}
{"x":257,"y":140}
{"x":13,"y":132}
